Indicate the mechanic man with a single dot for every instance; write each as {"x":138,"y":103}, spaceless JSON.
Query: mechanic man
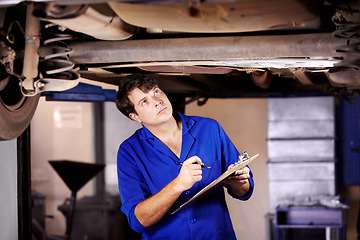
{"x":161,"y":166}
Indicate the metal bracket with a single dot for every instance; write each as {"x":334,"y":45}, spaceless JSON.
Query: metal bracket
{"x":51,"y":84}
{"x":301,"y":76}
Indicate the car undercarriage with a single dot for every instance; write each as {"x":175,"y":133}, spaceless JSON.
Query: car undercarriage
{"x":196,"y":49}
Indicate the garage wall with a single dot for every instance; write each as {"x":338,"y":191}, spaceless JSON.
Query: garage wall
{"x":8,"y":189}
{"x":245,"y":121}
{"x":117,"y":128}
{"x":59,"y":131}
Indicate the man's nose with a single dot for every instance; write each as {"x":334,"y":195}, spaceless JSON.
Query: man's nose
{"x":158,"y":102}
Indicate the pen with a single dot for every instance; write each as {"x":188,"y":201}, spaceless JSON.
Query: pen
{"x":202,"y":166}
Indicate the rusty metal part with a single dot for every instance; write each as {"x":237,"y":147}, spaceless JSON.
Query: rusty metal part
{"x":346,"y":73}
{"x":301,"y":76}
{"x":9,"y":36}
{"x":58,"y":72}
{"x":262,"y":79}
{"x":345,"y":76}
{"x":31,"y":56}
{"x":96,"y":24}
{"x":7,"y":58}
{"x":187,"y":69}
{"x":58,"y":79}
{"x":57,"y":11}
{"x":319,"y":45}
{"x":215,"y":17}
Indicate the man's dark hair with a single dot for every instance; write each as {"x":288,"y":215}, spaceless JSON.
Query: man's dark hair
{"x":144,"y":82}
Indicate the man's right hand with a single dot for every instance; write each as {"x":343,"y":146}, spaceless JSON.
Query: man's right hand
{"x":190,"y":173}
{"x":151,"y":210}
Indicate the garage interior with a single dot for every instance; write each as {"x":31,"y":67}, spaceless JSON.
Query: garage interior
{"x":308,"y":158}
{"x":287,"y":90}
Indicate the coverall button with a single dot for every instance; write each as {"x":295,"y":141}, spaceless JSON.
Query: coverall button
{"x":193,"y":220}
{"x":187,"y":192}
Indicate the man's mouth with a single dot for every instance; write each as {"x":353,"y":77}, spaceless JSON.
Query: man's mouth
{"x":162,"y":110}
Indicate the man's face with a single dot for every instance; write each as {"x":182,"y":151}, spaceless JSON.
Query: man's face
{"x":152,"y":107}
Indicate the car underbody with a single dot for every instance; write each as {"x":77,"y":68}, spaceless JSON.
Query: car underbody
{"x":196,"y":49}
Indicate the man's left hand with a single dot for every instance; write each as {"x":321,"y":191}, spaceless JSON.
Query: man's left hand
{"x":239,"y":178}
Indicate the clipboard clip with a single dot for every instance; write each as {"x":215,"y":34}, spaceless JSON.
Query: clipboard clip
{"x":242,"y":157}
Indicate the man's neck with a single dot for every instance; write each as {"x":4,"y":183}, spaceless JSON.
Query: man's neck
{"x":167,"y":130}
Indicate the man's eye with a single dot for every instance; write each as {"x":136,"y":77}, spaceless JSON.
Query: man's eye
{"x":144,"y":102}
{"x":156,"y":92}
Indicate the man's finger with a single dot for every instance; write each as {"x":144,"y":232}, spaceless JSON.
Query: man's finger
{"x":193,"y":159}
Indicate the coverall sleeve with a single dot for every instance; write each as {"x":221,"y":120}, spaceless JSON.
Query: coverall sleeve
{"x":230,"y":155}
{"x":132,"y":187}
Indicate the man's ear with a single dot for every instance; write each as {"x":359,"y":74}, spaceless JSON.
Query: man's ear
{"x":135,"y":117}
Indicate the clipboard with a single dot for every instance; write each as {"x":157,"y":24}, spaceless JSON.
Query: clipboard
{"x":215,"y":183}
